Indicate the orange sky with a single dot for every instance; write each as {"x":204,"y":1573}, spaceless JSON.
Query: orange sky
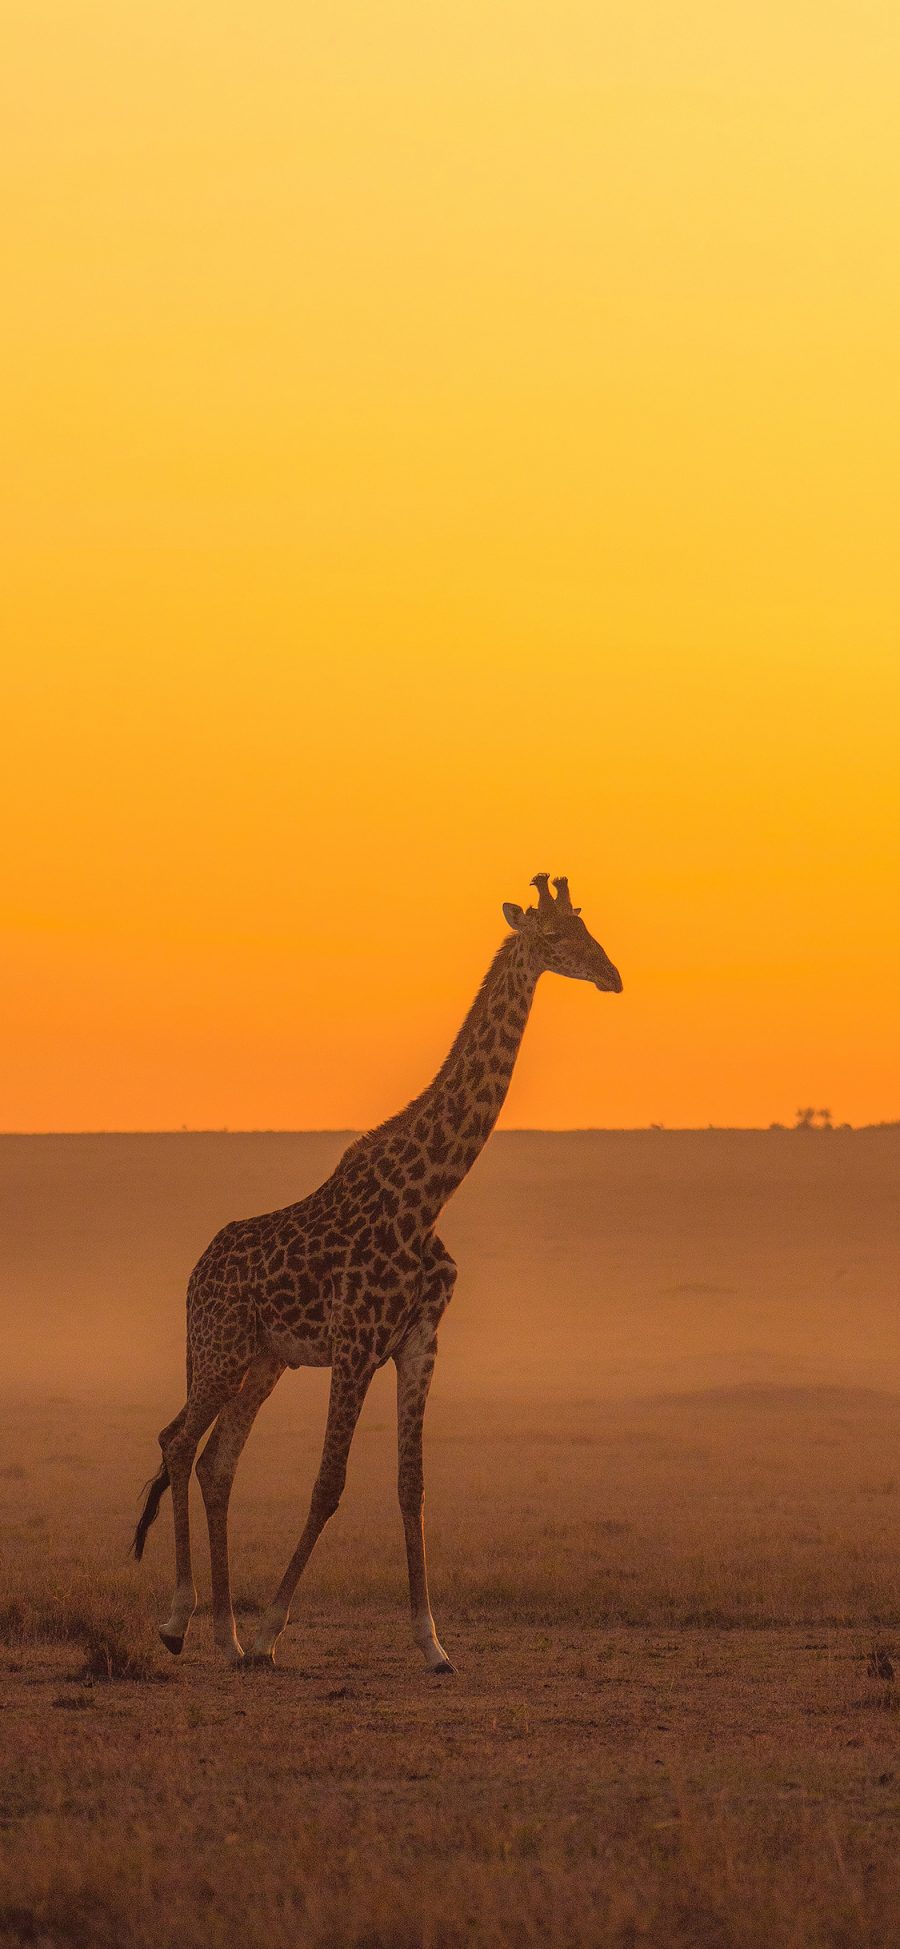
{"x":443,"y":444}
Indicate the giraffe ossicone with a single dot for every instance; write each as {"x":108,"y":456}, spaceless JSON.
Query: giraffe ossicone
{"x":348,"y":1278}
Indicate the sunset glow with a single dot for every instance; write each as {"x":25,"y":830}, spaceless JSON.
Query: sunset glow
{"x":441,"y":445}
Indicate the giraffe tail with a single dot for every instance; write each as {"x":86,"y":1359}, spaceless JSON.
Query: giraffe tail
{"x":156,"y":1489}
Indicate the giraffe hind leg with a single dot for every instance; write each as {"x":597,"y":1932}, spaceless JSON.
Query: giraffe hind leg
{"x":179,"y":1443}
{"x":216,"y":1471}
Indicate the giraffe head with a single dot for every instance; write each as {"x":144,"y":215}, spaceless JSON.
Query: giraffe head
{"x":557,"y":935}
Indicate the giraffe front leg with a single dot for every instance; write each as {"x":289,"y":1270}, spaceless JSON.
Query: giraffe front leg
{"x":348,"y":1392}
{"x":415,"y":1366}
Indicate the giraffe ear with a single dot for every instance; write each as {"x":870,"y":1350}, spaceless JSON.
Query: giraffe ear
{"x":513,"y":915}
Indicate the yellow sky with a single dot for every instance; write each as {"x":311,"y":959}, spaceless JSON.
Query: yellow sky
{"x":443,"y":444}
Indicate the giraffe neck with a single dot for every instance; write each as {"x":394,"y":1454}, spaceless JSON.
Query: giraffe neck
{"x":446,"y":1127}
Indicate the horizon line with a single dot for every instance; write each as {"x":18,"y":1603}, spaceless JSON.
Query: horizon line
{"x":515,"y":1130}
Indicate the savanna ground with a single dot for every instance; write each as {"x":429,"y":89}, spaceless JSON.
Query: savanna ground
{"x":663,"y":1463}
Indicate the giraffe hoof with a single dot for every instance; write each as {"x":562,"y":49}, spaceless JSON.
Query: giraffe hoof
{"x":258,"y":1661}
{"x":441,"y":1670}
{"x":175,"y":1645}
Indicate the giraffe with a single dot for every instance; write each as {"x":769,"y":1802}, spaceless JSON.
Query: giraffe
{"x":350,"y":1277}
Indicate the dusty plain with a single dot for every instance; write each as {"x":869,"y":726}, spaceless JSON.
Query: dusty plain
{"x":663,"y":1469}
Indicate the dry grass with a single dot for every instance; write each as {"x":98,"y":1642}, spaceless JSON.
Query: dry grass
{"x":674,"y":1722}
{"x":102,"y":1613}
{"x":675,"y":1614}
{"x":625,"y":1790}
{"x":748,"y":1507}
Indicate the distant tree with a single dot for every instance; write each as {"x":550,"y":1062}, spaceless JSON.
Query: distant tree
{"x":804,"y":1118}
{"x":824,"y":1117}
